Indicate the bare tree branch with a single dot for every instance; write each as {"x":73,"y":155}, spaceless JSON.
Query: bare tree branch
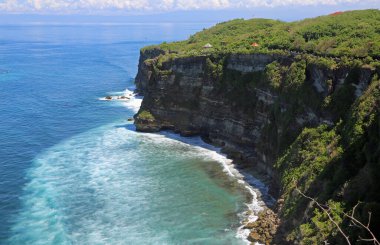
{"x":359,"y":224}
{"x":369,"y":219}
{"x":353,"y":221}
{"x":326,"y":211}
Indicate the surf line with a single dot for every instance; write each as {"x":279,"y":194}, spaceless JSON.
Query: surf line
{"x":254,"y":186}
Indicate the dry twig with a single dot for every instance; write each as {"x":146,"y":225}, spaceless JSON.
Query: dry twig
{"x":359,"y":224}
{"x":327,"y":211}
{"x":354,"y":221}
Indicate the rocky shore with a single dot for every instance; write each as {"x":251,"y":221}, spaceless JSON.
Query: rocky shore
{"x":264,"y":228}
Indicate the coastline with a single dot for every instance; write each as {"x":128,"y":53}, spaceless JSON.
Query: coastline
{"x":256,"y":188}
{"x":258,"y":191}
{"x":259,"y":222}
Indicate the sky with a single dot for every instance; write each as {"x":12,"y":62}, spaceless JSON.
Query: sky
{"x":29,"y":10}
{"x":77,"y":6}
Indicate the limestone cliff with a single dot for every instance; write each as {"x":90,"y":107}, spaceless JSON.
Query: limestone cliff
{"x":239,"y":109}
{"x":254,"y":106}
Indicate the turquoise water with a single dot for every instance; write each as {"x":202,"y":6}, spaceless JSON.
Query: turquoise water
{"x":72,"y":168}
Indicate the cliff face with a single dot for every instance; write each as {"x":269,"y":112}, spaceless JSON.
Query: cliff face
{"x":287,"y":116}
{"x":189,"y":102}
{"x":237,"y":109}
{"x":144,"y":70}
{"x":301,"y":105}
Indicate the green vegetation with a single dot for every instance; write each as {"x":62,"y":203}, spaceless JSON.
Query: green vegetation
{"x":274,"y":74}
{"x":337,"y":165}
{"x":214,"y":71}
{"x":352,"y":34}
{"x":321,"y":228}
{"x":296,"y":75}
{"x":311,"y":152}
{"x":145,"y":115}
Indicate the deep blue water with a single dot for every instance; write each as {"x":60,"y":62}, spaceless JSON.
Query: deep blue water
{"x":72,"y":168}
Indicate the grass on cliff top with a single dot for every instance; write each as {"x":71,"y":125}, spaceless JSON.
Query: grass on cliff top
{"x":351,"y":33}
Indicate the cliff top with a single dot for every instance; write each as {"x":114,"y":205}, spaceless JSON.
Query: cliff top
{"x":351,"y":33}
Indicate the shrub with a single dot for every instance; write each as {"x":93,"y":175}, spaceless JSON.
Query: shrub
{"x":145,"y":115}
{"x":273,"y":73}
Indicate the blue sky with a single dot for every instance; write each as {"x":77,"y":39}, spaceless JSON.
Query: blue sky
{"x":181,"y":10}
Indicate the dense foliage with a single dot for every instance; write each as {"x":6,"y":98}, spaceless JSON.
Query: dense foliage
{"x":351,"y":33}
{"x":337,"y":165}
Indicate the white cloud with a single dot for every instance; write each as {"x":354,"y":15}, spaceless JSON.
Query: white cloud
{"x":196,"y":4}
{"x":160,"y":5}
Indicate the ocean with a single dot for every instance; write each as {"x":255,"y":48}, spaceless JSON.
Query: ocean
{"x":73,"y":170}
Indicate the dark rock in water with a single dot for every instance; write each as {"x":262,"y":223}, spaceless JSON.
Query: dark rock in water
{"x":130,"y":119}
{"x":108,"y":97}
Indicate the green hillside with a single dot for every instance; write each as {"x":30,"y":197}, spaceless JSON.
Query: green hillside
{"x":352,"y":33}
{"x":336,"y":165}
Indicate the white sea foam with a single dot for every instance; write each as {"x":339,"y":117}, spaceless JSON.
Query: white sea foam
{"x":131,"y":100}
{"x":255,"y":187}
{"x":81,"y":190}
{"x":134,"y":103}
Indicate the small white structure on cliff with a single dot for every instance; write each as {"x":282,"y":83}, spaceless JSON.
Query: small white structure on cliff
{"x":207,"y":46}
